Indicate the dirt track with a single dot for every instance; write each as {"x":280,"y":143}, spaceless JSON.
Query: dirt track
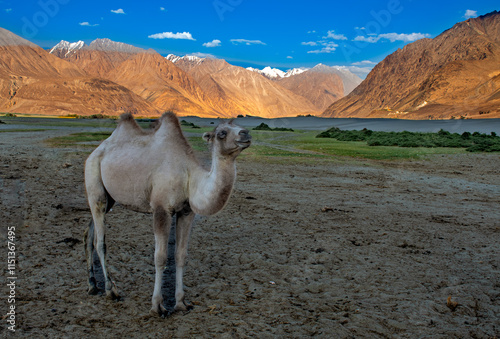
{"x":328,"y":249}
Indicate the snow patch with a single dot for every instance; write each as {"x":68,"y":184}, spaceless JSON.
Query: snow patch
{"x":69,"y":47}
{"x":189,"y":58}
{"x":275,"y":73}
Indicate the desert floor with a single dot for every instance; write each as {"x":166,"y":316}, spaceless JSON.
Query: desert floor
{"x":335,"y":248}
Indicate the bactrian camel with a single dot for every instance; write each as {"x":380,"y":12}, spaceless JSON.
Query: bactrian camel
{"x":155,"y":171}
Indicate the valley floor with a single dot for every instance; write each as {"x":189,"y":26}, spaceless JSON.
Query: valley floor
{"x":326,"y":248}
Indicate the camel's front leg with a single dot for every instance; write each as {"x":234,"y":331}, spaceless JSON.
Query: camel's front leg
{"x":182,"y":232}
{"x":161,"y":227}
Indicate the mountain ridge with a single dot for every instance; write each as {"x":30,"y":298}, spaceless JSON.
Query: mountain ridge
{"x":455,"y":74}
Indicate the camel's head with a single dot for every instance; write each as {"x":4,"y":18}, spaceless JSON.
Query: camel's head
{"x":228,"y":139}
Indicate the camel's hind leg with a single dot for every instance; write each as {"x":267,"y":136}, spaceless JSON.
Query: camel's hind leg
{"x":100,"y":203}
{"x":99,"y":209}
{"x":88,"y":239}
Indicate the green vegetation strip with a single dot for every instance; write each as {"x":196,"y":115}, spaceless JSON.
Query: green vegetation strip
{"x":472,"y":142}
{"x":307,"y":146}
{"x":78,"y":139}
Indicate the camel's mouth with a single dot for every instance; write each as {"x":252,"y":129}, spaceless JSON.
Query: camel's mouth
{"x":243,"y":143}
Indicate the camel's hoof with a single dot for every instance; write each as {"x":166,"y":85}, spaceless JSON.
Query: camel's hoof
{"x":112,"y":294}
{"x":93,"y":290}
{"x":183,"y":307}
{"x":159,"y":311}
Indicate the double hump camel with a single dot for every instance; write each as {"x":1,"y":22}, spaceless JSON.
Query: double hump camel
{"x":155,"y":171}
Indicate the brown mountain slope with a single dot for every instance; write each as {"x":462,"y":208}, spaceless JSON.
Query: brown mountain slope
{"x":320,"y":87}
{"x":235,"y":90}
{"x":159,"y":81}
{"x":34,"y":81}
{"x":97,"y":63}
{"x":97,"y":59}
{"x":455,"y":74}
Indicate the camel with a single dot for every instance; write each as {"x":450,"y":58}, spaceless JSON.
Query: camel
{"x":155,"y":171}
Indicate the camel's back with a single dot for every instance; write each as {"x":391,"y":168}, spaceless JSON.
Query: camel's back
{"x":136,"y":146}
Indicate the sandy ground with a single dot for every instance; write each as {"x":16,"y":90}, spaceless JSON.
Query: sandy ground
{"x":328,"y":249}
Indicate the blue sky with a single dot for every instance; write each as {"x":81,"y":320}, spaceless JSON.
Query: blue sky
{"x":282,"y":34}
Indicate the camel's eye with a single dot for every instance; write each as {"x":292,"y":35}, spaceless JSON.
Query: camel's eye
{"x":222,"y":134}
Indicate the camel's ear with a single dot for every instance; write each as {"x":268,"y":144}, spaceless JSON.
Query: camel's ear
{"x":208,"y":136}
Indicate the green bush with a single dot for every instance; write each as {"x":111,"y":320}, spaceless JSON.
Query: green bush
{"x":475,"y":142}
{"x":265,"y":127}
{"x":189,"y":124}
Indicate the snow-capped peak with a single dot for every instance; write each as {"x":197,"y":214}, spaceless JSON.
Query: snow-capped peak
{"x":68,"y":46}
{"x":295,"y":71}
{"x":275,"y":73}
{"x":268,"y":72}
{"x":191,"y":58}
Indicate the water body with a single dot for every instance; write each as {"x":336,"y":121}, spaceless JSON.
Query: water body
{"x":386,"y":125}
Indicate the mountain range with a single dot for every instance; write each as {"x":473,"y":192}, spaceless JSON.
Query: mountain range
{"x":454,"y":75}
{"x":70,"y":78}
{"x":37,"y":82}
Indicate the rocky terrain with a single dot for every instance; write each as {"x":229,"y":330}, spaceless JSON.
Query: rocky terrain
{"x":456,"y":74}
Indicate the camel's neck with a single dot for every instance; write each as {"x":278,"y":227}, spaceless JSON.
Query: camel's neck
{"x":209,"y":191}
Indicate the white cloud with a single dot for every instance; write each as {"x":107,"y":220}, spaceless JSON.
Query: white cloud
{"x":162,"y":9}
{"x":332,"y":35}
{"x":392,"y":37}
{"x":247,"y":42}
{"x":213,"y":43}
{"x":170,"y":35}
{"x":328,"y":47}
{"x":404,"y":37}
{"x":118,"y":11}
{"x":8,"y":10}
{"x":370,"y":39}
{"x":289,"y":57}
{"x":470,"y":14}
{"x":364,"y":63}
{"x":310,"y":32}
{"x":86,"y":23}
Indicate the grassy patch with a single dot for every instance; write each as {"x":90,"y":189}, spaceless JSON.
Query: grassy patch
{"x":359,"y":149}
{"x":78,"y":139}
{"x":294,"y":144}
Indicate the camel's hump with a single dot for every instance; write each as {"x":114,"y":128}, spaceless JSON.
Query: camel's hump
{"x":127,"y":120}
{"x":168,"y":118}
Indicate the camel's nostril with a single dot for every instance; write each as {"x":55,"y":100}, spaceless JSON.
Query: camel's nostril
{"x":244,"y":133}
